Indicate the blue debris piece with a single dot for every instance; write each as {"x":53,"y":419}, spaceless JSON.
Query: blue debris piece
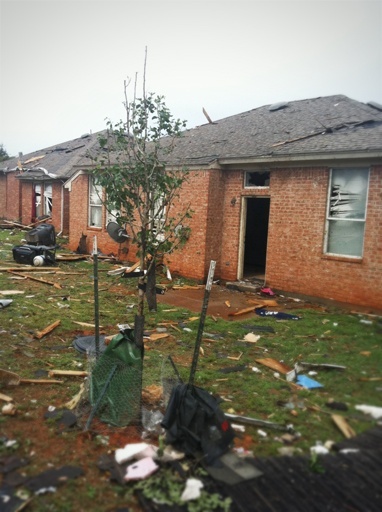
{"x":307,"y":382}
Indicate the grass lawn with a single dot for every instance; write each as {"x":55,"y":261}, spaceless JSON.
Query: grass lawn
{"x":228,"y":366}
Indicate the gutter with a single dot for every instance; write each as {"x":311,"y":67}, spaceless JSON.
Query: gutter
{"x":370,"y":157}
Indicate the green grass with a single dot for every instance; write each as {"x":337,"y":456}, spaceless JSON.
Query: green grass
{"x":328,"y":335}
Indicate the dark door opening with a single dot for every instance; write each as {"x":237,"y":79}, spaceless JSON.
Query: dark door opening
{"x":256,"y":236}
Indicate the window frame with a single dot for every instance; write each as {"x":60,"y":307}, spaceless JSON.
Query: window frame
{"x":257,"y":171}
{"x":330,"y":218}
{"x":98,"y":190}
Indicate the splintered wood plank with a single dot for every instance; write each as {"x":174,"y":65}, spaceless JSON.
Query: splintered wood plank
{"x":47,"y":330}
{"x":275,"y":365}
{"x":44,"y":281}
{"x":131,"y":269}
{"x":343,"y":426}
{"x":5,"y":398}
{"x":243,"y":311}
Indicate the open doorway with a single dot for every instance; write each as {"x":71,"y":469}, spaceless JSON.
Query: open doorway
{"x":256,"y":236}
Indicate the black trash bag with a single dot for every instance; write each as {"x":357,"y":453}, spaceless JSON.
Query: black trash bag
{"x":195,"y":423}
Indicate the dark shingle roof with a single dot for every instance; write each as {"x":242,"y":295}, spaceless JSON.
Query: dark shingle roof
{"x":55,"y":162}
{"x":314,"y":126}
{"x":310,"y":128}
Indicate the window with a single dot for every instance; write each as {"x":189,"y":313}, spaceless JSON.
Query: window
{"x":159,"y":216}
{"x":48,"y":201}
{"x":346,"y":212}
{"x":37,"y":199}
{"x":95,"y":203}
{"x":257,"y":179}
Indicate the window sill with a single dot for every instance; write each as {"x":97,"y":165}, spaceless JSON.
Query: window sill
{"x":95,"y":228}
{"x":345,"y":259}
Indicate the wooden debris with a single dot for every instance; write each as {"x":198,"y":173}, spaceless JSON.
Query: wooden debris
{"x":5,"y":398}
{"x":274,"y":365}
{"x":72,"y":404}
{"x":235,"y":358}
{"x":56,"y":285}
{"x":343,"y":426}
{"x":187,"y":287}
{"x":264,"y":302}
{"x":11,"y":292}
{"x":158,"y":336}
{"x":132,"y":268}
{"x":84,"y":324}
{"x":47,"y":330}
{"x":193,"y":318}
{"x":244,"y":311}
{"x":16,"y":224}
{"x":71,"y":257}
{"x":76,"y":373}
{"x":227,"y":303}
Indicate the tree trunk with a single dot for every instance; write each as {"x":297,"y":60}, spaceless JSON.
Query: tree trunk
{"x":151,"y":295}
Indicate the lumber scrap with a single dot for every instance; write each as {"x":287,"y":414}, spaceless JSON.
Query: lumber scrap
{"x":77,"y":373}
{"x":44,"y":281}
{"x":274,"y":365}
{"x":343,"y":426}
{"x":133,"y":267}
{"x":47,"y":330}
{"x":5,"y":398}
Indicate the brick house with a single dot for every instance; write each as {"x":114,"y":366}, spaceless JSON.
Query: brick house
{"x":290,"y":193}
{"x":31,"y":186}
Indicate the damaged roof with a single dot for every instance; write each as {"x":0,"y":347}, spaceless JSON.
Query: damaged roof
{"x":314,"y":129}
{"x":55,"y":162}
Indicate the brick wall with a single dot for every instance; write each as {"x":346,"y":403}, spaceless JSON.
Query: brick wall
{"x":10,"y":201}
{"x":3,"y":196}
{"x":27,"y":199}
{"x":295,"y":259}
{"x":78,"y":223}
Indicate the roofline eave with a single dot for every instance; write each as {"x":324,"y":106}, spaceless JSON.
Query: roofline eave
{"x":370,"y":157}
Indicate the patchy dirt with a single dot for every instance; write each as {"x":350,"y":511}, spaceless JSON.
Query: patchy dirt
{"x":226,"y":303}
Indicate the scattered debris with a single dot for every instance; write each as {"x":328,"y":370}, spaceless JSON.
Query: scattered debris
{"x":343,"y":426}
{"x":275,"y":365}
{"x":5,"y":302}
{"x":8,"y":378}
{"x":267,"y":291}
{"x":69,"y":373}
{"x":9,"y":409}
{"x":47,"y":330}
{"x":375,"y":412}
{"x":251,"y":338}
{"x":192,"y":489}
{"x":307,"y":382}
{"x":141,"y":469}
{"x":72,"y":404}
{"x":277,"y":314}
{"x":5,"y":398}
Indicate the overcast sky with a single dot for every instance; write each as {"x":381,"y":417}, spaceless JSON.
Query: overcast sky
{"x":63,"y":62}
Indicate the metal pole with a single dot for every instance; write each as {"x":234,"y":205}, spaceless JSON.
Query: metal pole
{"x":202,"y":321}
{"x":96,"y":303}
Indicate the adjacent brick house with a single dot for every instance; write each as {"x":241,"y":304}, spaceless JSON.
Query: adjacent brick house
{"x":291,"y":192}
